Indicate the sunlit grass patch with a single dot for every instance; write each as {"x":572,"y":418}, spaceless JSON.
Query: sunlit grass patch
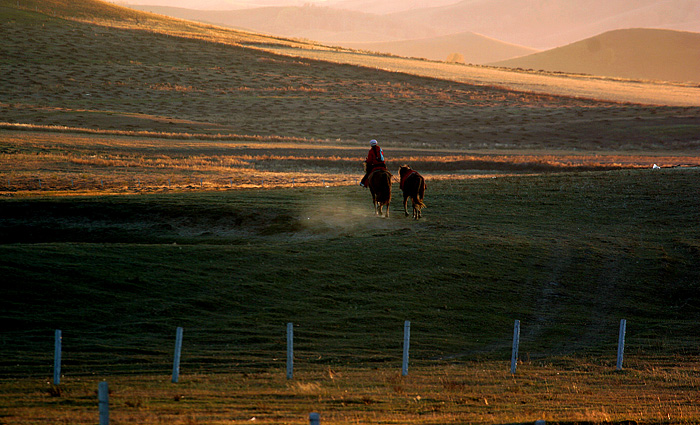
{"x":469,"y":393}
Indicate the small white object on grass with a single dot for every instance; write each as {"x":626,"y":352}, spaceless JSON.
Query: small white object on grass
{"x":655,"y":167}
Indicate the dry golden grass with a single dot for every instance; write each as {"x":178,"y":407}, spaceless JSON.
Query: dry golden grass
{"x":475,"y":392}
{"x":557,"y":84}
{"x":95,"y":162}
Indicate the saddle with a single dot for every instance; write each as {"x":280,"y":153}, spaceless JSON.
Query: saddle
{"x":377,"y":168}
{"x":406,"y":176}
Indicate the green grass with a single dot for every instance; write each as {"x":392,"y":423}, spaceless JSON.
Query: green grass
{"x":567,"y":254}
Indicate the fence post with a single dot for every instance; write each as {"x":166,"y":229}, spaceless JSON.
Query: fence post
{"x":290,"y":350}
{"x":57,"y":358}
{"x":406,"y":343}
{"x":314,"y":419}
{"x":103,"y":402}
{"x":516,"y":344}
{"x":621,"y":343}
{"x":178,"y":352}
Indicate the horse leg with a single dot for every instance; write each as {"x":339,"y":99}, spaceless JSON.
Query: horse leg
{"x":387,"y":210}
{"x":405,"y":204}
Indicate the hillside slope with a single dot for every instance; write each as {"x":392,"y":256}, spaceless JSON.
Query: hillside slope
{"x":104,"y":14}
{"x":650,"y":54}
{"x":189,"y":79}
{"x":474,"y":48}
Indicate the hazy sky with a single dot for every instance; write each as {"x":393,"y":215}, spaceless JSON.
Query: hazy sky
{"x":220,"y":4}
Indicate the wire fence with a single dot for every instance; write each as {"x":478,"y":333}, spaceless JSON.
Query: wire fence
{"x":405,"y":344}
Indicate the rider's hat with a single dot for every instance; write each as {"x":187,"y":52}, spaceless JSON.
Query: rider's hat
{"x":373,"y":142}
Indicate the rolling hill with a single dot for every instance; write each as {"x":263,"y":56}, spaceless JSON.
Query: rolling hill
{"x":473,"y":48}
{"x":442,"y":29}
{"x":553,"y":23}
{"x":131,"y":71}
{"x":321,"y":24}
{"x":387,"y":6}
{"x":205,"y":4}
{"x":648,"y":54}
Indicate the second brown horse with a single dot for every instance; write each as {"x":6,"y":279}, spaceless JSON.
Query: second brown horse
{"x":413,"y":186}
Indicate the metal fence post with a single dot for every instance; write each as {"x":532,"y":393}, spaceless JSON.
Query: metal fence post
{"x":406,"y":343}
{"x":178,"y":352}
{"x":516,"y":344}
{"x":290,"y":350}
{"x":103,"y":402}
{"x":621,"y":343}
{"x":314,"y":419}
{"x":57,"y":358}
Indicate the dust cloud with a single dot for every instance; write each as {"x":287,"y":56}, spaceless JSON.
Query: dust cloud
{"x":344,"y":218}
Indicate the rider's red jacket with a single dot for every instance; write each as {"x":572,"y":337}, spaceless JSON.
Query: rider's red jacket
{"x":375,"y":156}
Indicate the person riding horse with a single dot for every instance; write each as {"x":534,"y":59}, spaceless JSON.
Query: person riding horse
{"x":375,"y":159}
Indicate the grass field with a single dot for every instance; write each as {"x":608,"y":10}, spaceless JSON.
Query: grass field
{"x":568,"y":254}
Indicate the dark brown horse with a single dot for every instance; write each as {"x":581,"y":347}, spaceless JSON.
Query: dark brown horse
{"x":379,"y":183}
{"x":413,"y":186}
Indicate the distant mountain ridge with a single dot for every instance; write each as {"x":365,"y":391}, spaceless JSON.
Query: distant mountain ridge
{"x":328,"y":25}
{"x":387,"y":6}
{"x":545,"y":24}
{"x":472,"y":48}
{"x":649,"y":54}
{"x":318,"y":23}
{"x":437,"y":31}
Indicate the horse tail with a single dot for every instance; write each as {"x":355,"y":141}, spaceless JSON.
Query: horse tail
{"x":420,"y":193}
{"x":384,"y":194}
